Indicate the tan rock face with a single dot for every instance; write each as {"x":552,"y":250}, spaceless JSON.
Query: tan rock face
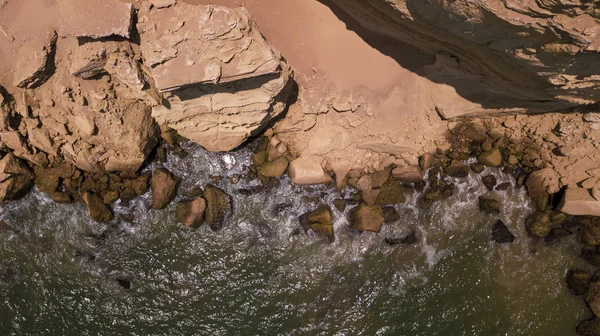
{"x":225,"y":81}
{"x":579,"y":201}
{"x":16,"y":178}
{"x":526,"y":51}
{"x":308,"y":171}
{"x":34,"y":61}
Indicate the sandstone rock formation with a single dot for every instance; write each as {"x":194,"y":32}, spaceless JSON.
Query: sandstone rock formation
{"x":224,"y":82}
{"x":15,"y":178}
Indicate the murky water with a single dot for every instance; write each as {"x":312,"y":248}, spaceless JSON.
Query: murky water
{"x":59,"y":270}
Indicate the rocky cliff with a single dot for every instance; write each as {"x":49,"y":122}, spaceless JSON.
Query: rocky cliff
{"x":526,"y":55}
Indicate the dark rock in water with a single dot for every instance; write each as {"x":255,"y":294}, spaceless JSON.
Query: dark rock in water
{"x":161,"y":154}
{"x":489,"y":181}
{"x":409,"y":239}
{"x":591,"y":233}
{"x":98,"y":211}
{"x":9,"y":272}
{"x":367,"y":218}
{"x":457,"y":169}
{"x":501,"y":234}
{"x":390,"y":193}
{"x":477,"y":167}
{"x":538,"y":224}
{"x":274,"y":168}
{"x":194,"y":192}
{"x":390,"y":214}
{"x":502,"y":186}
{"x":124,"y":282}
{"x":556,"y":234}
{"x":491,"y":158}
{"x":320,"y":222}
{"x":4,"y":226}
{"x":589,"y":327}
{"x":592,"y":297}
{"x":489,"y":205}
{"x":578,"y":281}
{"x":191,"y":213}
{"x":279,"y":208}
{"x":340,"y":204}
{"x":219,"y":206}
{"x":87,"y":255}
{"x":127,"y":217}
{"x":164,"y":187}
{"x":420,"y":186}
{"x":591,"y":256}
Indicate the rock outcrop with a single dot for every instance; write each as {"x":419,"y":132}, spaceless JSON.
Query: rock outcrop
{"x":224,"y":82}
{"x":15,"y":178}
{"x":525,"y":55}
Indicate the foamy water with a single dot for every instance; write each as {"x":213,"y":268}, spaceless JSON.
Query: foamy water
{"x":258,"y":276}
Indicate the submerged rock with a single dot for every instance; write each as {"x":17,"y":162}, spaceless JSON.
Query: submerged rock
{"x":592,"y":296}
{"x":489,"y":205}
{"x":367,"y":218}
{"x":191,"y":213}
{"x":219,"y":206}
{"x":589,"y":327}
{"x":409,"y":239}
{"x":578,"y":281}
{"x":164,"y":187}
{"x":98,"y":211}
{"x":477,"y":167}
{"x":501,"y":234}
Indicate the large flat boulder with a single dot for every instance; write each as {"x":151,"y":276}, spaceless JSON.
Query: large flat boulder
{"x":94,"y":18}
{"x":225,"y":82}
{"x":34,"y":60}
{"x":579,"y":201}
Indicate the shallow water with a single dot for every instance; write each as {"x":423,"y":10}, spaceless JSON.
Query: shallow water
{"x":257,"y":276}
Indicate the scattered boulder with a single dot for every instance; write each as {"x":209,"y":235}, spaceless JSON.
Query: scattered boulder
{"x":390,"y":193}
{"x":340,"y":204}
{"x":489,"y":181}
{"x":578,"y":281}
{"x":408,"y":174}
{"x":367,"y":218}
{"x":489,"y":205}
{"x":219,"y":206}
{"x":457,"y":169}
{"x":579,"y":201}
{"x":501,"y":234}
{"x":274,"y":168}
{"x":491,"y":158}
{"x":98,"y":211}
{"x":307,"y":171}
{"x":320,"y":222}
{"x":502,"y":186}
{"x":538,"y":224}
{"x":191,"y":213}
{"x":164,"y":187}
{"x":15,"y":176}
{"x":477,"y":167}
{"x":542,"y":182}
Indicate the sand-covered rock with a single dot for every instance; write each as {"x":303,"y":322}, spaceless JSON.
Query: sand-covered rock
{"x":94,"y":18}
{"x":34,"y":65}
